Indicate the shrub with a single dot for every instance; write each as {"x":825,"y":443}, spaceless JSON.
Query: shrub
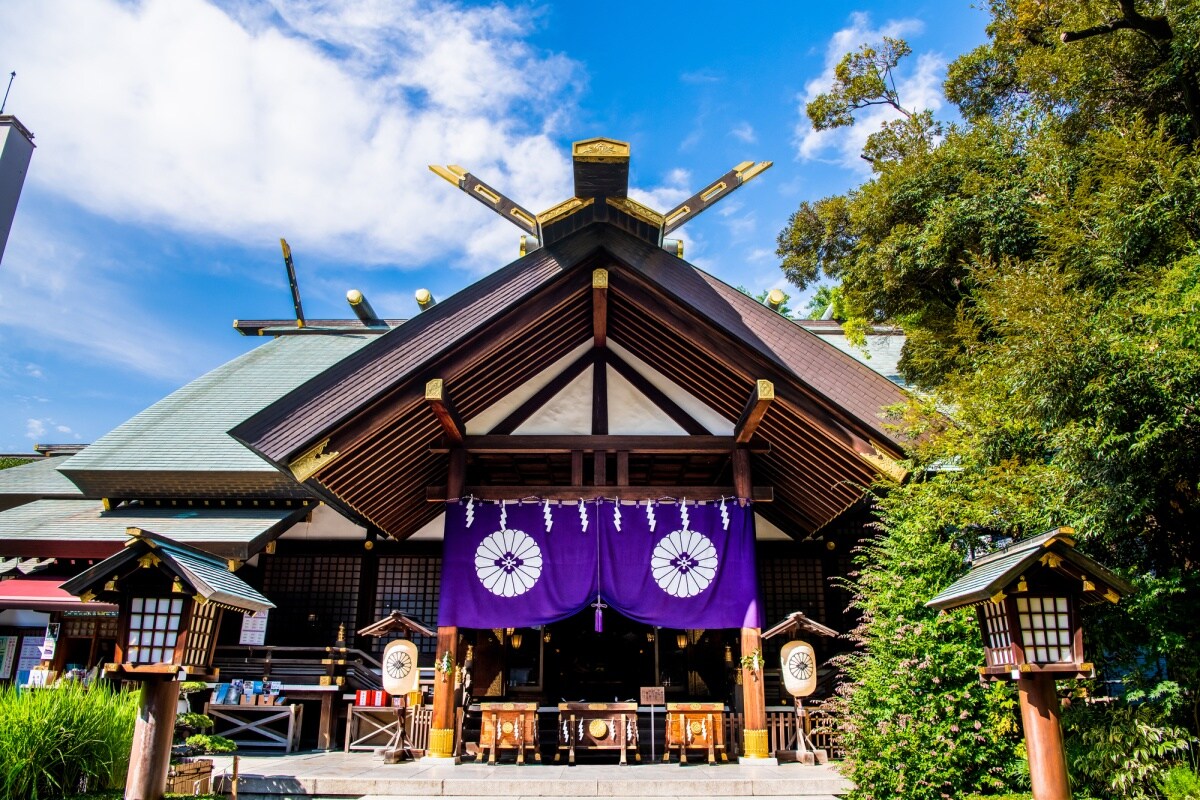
{"x":211,"y":743}
{"x":1181,"y":783}
{"x":1122,"y":750}
{"x":55,"y":742}
{"x":193,"y":721}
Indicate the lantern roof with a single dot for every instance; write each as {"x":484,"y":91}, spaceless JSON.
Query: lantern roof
{"x":206,"y":575}
{"x":393,"y":623}
{"x":1055,"y":550}
{"x":796,"y":621}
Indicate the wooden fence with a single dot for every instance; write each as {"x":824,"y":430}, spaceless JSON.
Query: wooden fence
{"x":819,"y":725}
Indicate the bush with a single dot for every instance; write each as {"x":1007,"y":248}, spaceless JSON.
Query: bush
{"x":56,"y":742}
{"x":1121,"y":750}
{"x":193,"y":721}
{"x":210,"y":743}
{"x":1181,"y":783}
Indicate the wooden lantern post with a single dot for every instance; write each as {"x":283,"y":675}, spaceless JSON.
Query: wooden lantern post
{"x":170,"y":599}
{"x":1027,"y":598}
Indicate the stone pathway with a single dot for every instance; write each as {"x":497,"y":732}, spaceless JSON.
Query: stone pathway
{"x":363,"y":775}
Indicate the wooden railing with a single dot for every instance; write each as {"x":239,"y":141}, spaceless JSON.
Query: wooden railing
{"x":819,"y":725}
{"x":302,"y":665}
{"x":420,"y":720}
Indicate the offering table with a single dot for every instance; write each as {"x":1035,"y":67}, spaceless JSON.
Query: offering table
{"x":698,"y":726}
{"x":509,"y":726}
{"x":597,"y":726}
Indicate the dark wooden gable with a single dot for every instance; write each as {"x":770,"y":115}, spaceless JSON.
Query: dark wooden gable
{"x":363,"y":432}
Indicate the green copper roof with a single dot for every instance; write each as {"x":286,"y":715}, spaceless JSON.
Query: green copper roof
{"x":39,"y":477}
{"x":206,"y":574}
{"x":66,"y":528}
{"x":187,"y":430}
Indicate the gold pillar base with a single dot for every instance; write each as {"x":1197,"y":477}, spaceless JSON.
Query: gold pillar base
{"x":441,"y":742}
{"x":755,"y":744}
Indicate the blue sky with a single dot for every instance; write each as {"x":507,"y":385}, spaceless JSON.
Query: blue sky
{"x":179,"y":139}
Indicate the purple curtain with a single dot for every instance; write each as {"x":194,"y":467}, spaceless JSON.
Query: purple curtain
{"x":697,"y":572}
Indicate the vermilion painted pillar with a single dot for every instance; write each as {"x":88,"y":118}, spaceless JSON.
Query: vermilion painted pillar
{"x":1040,"y":715}
{"x":150,"y":757}
{"x":441,"y":734}
{"x":754,"y":702}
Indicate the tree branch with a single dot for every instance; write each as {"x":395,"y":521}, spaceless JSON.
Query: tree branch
{"x":1157,"y":28}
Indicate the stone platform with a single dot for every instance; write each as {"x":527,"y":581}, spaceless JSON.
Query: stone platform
{"x":363,"y":775}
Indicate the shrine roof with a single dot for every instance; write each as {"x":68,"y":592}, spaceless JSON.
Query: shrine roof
{"x":39,"y":478}
{"x":84,"y":529}
{"x":180,"y":446}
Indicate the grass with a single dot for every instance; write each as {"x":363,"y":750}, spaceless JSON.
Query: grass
{"x":58,"y":742}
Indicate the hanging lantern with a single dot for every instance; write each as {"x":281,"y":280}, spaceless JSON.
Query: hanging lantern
{"x":681,"y":640}
{"x":516,"y":640}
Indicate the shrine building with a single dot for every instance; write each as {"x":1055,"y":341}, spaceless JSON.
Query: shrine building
{"x":596,"y":469}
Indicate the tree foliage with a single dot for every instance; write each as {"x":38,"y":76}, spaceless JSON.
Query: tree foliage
{"x":1041,"y":257}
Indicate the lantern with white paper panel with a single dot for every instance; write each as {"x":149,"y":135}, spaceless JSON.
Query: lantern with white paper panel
{"x":799,"y":664}
{"x":400,"y":667}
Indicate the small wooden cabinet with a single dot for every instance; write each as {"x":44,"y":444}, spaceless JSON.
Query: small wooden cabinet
{"x":508,"y":726}
{"x":597,"y":726}
{"x":695,"y":726}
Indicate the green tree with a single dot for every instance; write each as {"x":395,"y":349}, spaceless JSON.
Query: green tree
{"x":1041,"y":258}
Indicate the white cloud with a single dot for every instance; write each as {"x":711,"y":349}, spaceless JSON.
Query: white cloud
{"x":319,"y":118}
{"x":34,"y":428}
{"x":674,"y":189}
{"x":745,"y":132}
{"x":919,"y":88}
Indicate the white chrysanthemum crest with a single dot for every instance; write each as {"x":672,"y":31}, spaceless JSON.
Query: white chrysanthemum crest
{"x":508,"y":563}
{"x":684,"y":563}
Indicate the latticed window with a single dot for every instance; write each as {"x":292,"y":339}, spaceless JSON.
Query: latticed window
{"x":410,"y":585}
{"x":200,"y":634}
{"x":153,"y":629}
{"x":1045,"y":629}
{"x":999,"y":639}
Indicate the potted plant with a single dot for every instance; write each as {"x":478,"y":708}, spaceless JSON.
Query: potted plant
{"x":188,"y":774}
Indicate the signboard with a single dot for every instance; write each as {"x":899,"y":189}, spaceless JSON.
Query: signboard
{"x":8,"y":656}
{"x":49,"y":642}
{"x":30,"y":655}
{"x":653,"y":696}
{"x":254,"y":628}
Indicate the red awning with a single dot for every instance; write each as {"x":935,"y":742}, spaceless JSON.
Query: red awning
{"x":43,"y":594}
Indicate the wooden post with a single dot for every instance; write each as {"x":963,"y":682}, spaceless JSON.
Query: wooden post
{"x":441,"y":734}
{"x":1040,"y":715}
{"x":754,"y":701}
{"x":742,"y":479}
{"x":150,"y":757}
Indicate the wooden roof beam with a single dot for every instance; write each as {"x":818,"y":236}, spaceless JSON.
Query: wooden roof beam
{"x":706,"y":197}
{"x":506,"y":208}
{"x":600,"y":306}
{"x":443,"y":409}
{"x":549,"y":444}
{"x":756,"y":408}
{"x":572,"y":494}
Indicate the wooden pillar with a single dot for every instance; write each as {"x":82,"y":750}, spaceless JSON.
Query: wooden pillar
{"x":1043,"y":737}
{"x":152,"y":733}
{"x":441,"y":734}
{"x":742,"y":479}
{"x":754,"y":702}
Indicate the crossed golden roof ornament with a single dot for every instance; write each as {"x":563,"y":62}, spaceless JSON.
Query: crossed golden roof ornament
{"x":601,"y":168}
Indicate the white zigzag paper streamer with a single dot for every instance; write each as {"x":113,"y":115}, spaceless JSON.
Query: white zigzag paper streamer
{"x":503,"y":516}
{"x":650,"y":514}
{"x":683,"y":513}
{"x":724,"y":515}
{"x":546,"y":515}
{"x":582,"y":515}
{"x":617,"y":516}
{"x":470,"y":510}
